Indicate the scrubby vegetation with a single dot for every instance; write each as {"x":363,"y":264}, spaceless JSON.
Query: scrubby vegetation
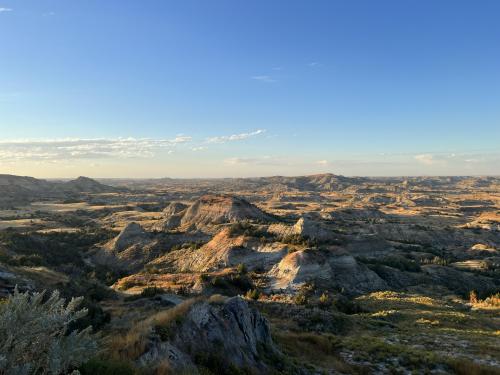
{"x":399,"y":262}
{"x":36,"y":338}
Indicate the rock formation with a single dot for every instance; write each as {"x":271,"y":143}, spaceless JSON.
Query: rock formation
{"x":225,"y":331}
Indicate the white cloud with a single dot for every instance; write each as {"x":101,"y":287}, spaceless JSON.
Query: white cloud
{"x":314,"y":64}
{"x":322,"y":162}
{"x":235,"y":137}
{"x":75,"y":148}
{"x":259,"y":161}
{"x":427,"y":159}
{"x":5,"y":9}
{"x":199,"y":148}
{"x":264,"y":78}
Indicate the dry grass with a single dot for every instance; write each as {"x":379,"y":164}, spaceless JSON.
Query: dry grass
{"x":466,"y":367}
{"x":490,"y":303}
{"x":132,"y":345}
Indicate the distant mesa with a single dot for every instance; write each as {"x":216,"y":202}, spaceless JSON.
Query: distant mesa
{"x":19,"y":190}
{"x":88,"y":185}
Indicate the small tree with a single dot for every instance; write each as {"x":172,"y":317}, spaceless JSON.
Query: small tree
{"x":324,"y":300}
{"x":253,"y":294}
{"x":241,"y":268}
{"x":473,"y":297}
{"x":35,"y":337}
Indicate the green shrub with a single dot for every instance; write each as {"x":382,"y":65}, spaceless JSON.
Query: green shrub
{"x":35,"y":337}
{"x":324,"y":300}
{"x":241,"y":268}
{"x":300,"y":298}
{"x":253,"y":294}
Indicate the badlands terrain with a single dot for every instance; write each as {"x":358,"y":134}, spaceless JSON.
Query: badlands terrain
{"x":319,"y":274}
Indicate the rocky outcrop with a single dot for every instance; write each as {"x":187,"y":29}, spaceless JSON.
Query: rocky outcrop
{"x":174,"y":208}
{"x":224,"y":251}
{"x":219,"y":209}
{"x":132,"y":234}
{"x":130,"y":250}
{"x":304,"y":227}
{"x":218,"y":331}
{"x":208,"y":211}
{"x":310,"y":229}
{"x":327,"y":270}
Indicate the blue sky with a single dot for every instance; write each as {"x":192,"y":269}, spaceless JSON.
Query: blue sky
{"x":246,"y":88}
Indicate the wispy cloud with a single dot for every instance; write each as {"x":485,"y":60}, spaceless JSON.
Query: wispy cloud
{"x":261,"y":161}
{"x":2,"y":9}
{"x":235,"y":137}
{"x":49,"y":14}
{"x":427,"y":159}
{"x":438,"y":158}
{"x":314,"y":64}
{"x":199,"y":148}
{"x":75,"y":148}
{"x":322,"y":162}
{"x":264,"y":78}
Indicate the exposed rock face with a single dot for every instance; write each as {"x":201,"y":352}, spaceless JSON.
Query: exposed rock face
{"x":326,"y":270}
{"x":174,"y":208}
{"x":304,"y":227}
{"x":208,"y":211}
{"x":229,"y":330}
{"x":310,"y":229}
{"x":130,"y":250}
{"x":224,"y":251}
{"x":219,"y":209}
{"x":172,"y":216}
{"x":130,"y":235}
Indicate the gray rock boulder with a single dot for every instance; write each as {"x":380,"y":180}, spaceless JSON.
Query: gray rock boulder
{"x":215,"y":330}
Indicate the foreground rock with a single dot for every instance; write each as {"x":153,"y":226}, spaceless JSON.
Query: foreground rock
{"x":209,"y":334}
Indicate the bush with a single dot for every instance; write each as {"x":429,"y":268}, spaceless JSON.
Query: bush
{"x":204,"y":278}
{"x":347,"y":306}
{"x":300,"y":298}
{"x":324,"y":300}
{"x":241,"y":268}
{"x":493,"y":300}
{"x":473,"y":297}
{"x":253,"y":294}
{"x":35,"y":338}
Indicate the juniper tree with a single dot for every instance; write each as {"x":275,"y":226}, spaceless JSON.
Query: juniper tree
{"x":35,"y":335}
